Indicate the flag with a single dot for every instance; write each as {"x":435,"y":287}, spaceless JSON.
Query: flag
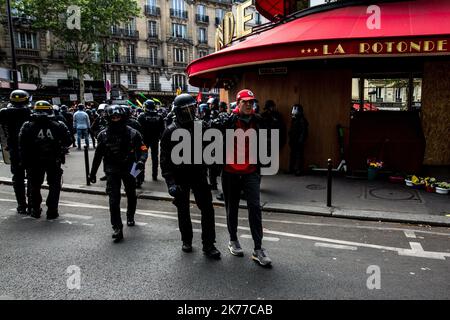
{"x":142,"y":95}
{"x":199,"y":97}
{"x":139,"y":103}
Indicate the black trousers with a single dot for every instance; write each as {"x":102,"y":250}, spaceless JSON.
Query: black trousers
{"x":203,"y":199}
{"x":154,"y":152}
{"x":232,"y":184}
{"x":113,"y":186}
{"x":36,"y":178}
{"x":214,"y":172}
{"x":296,"y":158}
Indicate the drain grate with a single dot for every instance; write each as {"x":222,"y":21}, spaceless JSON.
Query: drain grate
{"x":392,"y":194}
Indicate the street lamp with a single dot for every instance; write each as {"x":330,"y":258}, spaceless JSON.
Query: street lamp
{"x":15,"y":84}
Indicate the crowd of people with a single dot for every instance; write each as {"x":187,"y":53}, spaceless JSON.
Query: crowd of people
{"x":40,"y":135}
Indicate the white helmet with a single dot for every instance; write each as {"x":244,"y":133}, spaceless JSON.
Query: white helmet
{"x":102,"y":107}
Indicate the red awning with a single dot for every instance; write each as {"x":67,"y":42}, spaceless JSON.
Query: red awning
{"x":270,"y":8}
{"x":414,"y":27}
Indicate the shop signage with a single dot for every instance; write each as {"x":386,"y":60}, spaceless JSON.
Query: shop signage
{"x":232,"y":27}
{"x":376,"y":47}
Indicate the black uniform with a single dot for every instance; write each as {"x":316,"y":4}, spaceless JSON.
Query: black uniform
{"x":119,"y":146}
{"x":43,"y":142}
{"x":297,"y":136}
{"x":187,"y":177}
{"x":152,"y":124}
{"x":12,"y":119}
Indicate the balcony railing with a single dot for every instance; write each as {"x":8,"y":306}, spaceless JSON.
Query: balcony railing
{"x":141,"y":61}
{"x":33,"y":53}
{"x":202,"y":41}
{"x":152,"y":11}
{"x":178,"y":14}
{"x":132,"y":86}
{"x":200,"y":18}
{"x":154,"y":86}
{"x":128,"y":60}
{"x":180,"y":64}
{"x":124,"y":33}
{"x":152,"y":36}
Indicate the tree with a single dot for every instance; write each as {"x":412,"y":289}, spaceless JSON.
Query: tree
{"x":78,"y":26}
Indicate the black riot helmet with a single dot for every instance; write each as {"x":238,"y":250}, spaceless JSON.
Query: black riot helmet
{"x":43,"y":108}
{"x":19,"y":98}
{"x":184,"y":108}
{"x":149,"y":105}
{"x":114,"y":113}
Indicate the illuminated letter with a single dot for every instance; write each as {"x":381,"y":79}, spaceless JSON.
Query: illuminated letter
{"x":364,"y":47}
{"x":242,"y":19}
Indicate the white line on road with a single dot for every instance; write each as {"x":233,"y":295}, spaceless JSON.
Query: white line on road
{"x":249,"y":236}
{"x":410,"y":234}
{"x":77,"y":216}
{"x":334,"y":246}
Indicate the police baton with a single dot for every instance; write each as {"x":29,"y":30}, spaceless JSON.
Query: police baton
{"x":86,"y":164}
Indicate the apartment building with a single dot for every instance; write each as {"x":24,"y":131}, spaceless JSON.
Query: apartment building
{"x":147,"y":55}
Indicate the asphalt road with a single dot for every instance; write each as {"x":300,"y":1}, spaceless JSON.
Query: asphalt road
{"x":313,"y":257}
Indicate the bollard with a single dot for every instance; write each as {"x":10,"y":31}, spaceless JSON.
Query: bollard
{"x":329,"y":183}
{"x":86,"y":164}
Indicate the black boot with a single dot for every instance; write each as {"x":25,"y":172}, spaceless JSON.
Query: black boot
{"x":22,"y":209}
{"x":186,"y":247}
{"x":211,"y":252}
{"x":130,"y":220}
{"x":36,"y":213}
{"x":117,"y":235}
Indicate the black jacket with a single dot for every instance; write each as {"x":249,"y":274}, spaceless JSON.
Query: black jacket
{"x":152,"y":124}
{"x":119,"y":147}
{"x":43,"y":141}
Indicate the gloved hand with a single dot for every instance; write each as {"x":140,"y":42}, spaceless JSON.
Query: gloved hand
{"x":140,"y":165}
{"x":92,"y":178}
{"x":174,"y":190}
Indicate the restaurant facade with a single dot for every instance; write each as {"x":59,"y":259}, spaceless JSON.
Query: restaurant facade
{"x":373,"y":78}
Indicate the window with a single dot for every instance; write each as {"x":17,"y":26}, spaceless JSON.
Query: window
{"x":201,"y":10}
{"x":72,"y":74}
{"x":115,"y":77}
{"x":179,"y":81}
{"x":257,"y":18}
{"x":26,"y":40}
{"x":179,"y":30}
{"x":152,"y":29}
{"x":202,"y":38}
{"x":202,"y":53}
{"x":154,"y":82}
{"x":387,"y":93}
{"x":30,"y":74}
{"x":130,"y":27}
{"x":151,"y":3}
{"x":131,"y":53}
{"x":132,"y":78}
{"x":95,"y":53}
{"x":179,"y":55}
{"x":114,"y":52}
{"x":219,"y":16}
{"x":153,"y":55}
{"x":178,"y":5}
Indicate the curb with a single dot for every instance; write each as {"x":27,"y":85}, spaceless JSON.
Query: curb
{"x":334,"y":212}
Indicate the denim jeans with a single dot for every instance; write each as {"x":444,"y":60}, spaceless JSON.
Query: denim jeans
{"x":82,"y":134}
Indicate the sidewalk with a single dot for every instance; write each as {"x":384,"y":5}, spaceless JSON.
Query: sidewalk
{"x":351,"y":198}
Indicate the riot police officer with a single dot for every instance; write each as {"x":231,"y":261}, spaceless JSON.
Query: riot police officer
{"x":120,"y":146}
{"x":43,"y":142}
{"x":152,"y":124}
{"x":182,"y":178}
{"x":12,"y":118}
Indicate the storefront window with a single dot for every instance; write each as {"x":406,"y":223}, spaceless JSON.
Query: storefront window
{"x":386,"y":93}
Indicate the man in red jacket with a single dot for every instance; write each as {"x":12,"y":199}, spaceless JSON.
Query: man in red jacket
{"x":246,"y":176}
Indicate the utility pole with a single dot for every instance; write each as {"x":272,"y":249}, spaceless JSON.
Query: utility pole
{"x":15,"y":83}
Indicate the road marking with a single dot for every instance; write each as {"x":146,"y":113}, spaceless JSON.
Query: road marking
{"x":249,"y":236}
{"x":88,"y":224}
{"x":136,"y":223}
{"x":77,"y":216}
{"x":410,"y":234}
{"x":417,"y":251}
{"x":334,"y":246}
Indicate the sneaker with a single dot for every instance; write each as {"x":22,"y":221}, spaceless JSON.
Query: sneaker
{"x":235,"y":248}
{"x":186,"y":247}
{"x":211,"y":252}
{"x":117,"y":235}
{"x":261,"y":257}
{"x":35,"y":213}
